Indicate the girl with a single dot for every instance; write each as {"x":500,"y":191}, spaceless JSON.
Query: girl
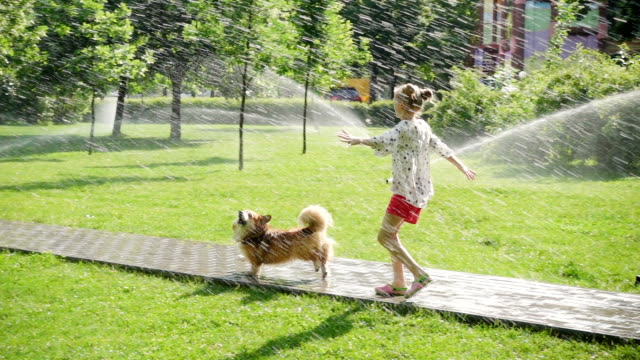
{"x":410,"y":142}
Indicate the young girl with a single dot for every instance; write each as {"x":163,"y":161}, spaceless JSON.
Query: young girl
{"x":410,"y":143}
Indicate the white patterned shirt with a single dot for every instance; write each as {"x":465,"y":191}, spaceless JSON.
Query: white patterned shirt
{"x":410,"y":143}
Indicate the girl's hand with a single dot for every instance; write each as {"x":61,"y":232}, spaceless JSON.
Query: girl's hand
{"x":470,"y":174}
{"x":347,"y":138}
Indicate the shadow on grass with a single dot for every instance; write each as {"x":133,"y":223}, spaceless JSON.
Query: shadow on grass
{"x":252,"y":293}
{"x":332,"y":327}
{"x":28,"y":145}
{"x":271,"y":130}
{"x":87,"y":181}
{"x":203,"y":162}
{"x":28,"y":160}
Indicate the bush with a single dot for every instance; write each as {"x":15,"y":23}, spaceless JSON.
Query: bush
{"x":260,"y":110}
{"x":602,"y":135}
{"x":583,"y":76}
{"x":30,"y":107}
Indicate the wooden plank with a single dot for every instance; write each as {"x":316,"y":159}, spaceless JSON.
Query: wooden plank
{"x":566,"y":309}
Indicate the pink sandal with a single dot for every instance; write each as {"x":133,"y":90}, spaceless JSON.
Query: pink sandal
{"x":388,"y":291}
{"x":418,"y":285}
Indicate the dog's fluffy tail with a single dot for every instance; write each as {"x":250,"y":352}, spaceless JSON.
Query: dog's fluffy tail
{"x":327,"y":247}
{"x":316,"y":218}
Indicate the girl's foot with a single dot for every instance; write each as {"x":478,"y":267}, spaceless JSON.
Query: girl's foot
{"x":388,"y":291}
{"x":418,"y":285}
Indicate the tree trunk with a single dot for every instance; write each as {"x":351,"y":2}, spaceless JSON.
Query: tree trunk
{"x":245,"y":88}
{"x":243,"y":99}
{"x":394,"y":80}
{"x":93,"y":120}
{"x":122,"y":94}
{"x":373,"y":84}
{"x":176,"y":89}
{"x":304,"y":109}
{"x":304,"y":113}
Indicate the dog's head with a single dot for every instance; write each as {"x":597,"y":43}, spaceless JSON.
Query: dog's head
{"x":249,"y":223}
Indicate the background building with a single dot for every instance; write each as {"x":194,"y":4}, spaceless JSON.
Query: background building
{"x":513,"y":32}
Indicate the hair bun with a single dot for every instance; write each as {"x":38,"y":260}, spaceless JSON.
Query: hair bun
{"x":413,"y":96}
{"x":426,"y":94}
{"x":410,"y":91}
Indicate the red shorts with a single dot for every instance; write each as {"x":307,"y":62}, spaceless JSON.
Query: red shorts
{"x":400,"y":207}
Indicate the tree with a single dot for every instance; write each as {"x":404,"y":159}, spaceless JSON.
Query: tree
{"x":143,"y":54}
{"x":181,"y":34}
{"x":413,"y":40}
{"x":73,"y":47}
{"x":255,"y":36}
{"x":19,"y":37}
{"x":325,"y":50}
{"x":108,"y":54}
{"x":624,"y":17}
{"x":81,"y":47}
{"x":391,"y":27}
{"x":445,"y":41}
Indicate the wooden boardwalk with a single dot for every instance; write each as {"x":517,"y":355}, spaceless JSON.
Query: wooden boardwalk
{"x":566,"y":309}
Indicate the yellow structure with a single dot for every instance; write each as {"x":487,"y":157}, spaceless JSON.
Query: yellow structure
{"x":362,"y":86}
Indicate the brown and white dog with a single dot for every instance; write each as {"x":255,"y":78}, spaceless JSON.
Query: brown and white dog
{"x":263,"y":245}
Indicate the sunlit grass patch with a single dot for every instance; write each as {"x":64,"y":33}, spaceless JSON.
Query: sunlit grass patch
{"x":521,"y":226}
{"x":55,"y":309}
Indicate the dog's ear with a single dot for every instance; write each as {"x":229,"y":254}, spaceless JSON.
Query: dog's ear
{"x":266,"y":219}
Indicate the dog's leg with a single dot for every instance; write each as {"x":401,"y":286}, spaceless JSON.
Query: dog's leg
{"x":324,"y":257}
{"x":255,"y":270}
{"x":324,"y":269}
{"x":316,"y":265}
{"x":322,"y":261}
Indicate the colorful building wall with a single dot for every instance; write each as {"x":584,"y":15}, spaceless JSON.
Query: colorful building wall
{"x":515,"y":32}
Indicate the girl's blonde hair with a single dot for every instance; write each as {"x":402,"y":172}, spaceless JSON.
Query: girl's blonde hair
{"x":412,"y":96}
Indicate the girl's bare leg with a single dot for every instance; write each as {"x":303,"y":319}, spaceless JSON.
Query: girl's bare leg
{"x":398,"y":274}
{"x":388,"y":237}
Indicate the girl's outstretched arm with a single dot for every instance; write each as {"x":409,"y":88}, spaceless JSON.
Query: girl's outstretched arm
{"x":352,"y":140}
{"x":470,"y":174}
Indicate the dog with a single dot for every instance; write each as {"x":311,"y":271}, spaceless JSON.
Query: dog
{"x":263,"y":245}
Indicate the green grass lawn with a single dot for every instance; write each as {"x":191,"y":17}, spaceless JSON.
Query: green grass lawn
{"x":575,"y":231}
{"x":53,"y":309}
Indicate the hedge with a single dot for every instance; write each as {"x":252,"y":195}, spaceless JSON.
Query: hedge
{"x":603,"y":133}
{"x":261,"y":111}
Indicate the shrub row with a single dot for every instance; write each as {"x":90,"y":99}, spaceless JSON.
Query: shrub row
{"x":260,"y":110}
{"x":603,"y":135}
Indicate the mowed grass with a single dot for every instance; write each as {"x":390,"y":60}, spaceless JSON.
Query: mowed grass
{"x":575,"y":231}
{"x":564,"y":230}
{"x":54,"y":309}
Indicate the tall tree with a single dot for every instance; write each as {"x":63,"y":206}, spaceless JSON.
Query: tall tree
{"x":179,"y":34}
{"x":413,"y":39}
{"x":325,"y":50}
{"x":446,"y":39}
{"x":108,"y":54}
{"x":81,"y":47}
{"x":19,"y":52}
{"x":391,"y":26}
{"x":143,"y":54}
{"x":253,"y":40}
{"x":624,"y":17}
